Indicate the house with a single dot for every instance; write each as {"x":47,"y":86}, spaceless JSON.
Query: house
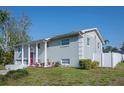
{"x":67,"y":49}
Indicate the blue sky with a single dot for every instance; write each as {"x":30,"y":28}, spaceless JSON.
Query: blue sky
{"x":50,"y":21}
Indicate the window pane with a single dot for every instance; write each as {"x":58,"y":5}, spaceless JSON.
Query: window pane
{"x":88,"y":41}
{"x":98,"y":45}
{"x":65,"y":42}
{"x":65,"y":61}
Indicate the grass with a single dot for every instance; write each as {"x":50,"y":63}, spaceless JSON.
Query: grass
{"x":71,"y":76}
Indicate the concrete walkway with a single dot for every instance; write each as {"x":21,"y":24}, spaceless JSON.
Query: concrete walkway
{"x":11,"y":67}
{"x":3,"y":72}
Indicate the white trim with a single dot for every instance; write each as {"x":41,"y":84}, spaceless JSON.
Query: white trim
{"x":36,"y":60}
{"x":22,"y":54}
{"x":29,"y":55}
{"x":45,"y":53}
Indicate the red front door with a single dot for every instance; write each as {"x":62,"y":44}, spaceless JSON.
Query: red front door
{"x":31,"y":58}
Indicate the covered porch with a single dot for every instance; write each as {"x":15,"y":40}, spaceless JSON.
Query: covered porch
{"x":32,"y":54}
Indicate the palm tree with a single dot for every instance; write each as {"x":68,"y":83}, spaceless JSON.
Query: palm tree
{"x":122,"y":47}
{"x":106,"y":42}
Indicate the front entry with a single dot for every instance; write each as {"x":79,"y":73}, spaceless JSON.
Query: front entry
{"x":31,"y":58}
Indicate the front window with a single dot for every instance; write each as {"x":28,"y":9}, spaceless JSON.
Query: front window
{"x":65,"y":42}
{"x":66,"y":61}
{"x":98,"y":44}
{"x":39,"y":46}
{"x":19,"y":49}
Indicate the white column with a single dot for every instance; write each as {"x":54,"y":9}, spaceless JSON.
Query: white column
{"x":22,"y":55}
{"x":45,"y":54}
{"x":36,"y":53}
{"x":29,"y":55}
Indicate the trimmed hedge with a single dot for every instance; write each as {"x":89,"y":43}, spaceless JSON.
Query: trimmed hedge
{"x":88,"y":64}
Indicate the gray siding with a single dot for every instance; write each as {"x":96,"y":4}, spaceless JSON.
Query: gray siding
{"x":57,"y":52}
{"x":41,"y":53}
{"x":93,"y":47}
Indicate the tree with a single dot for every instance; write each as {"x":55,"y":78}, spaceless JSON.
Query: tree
{"x":4,"y":16}
{"x":122,"y":47}
{"x":20,"y":34}
{"x":13,"y":31}
{"x":106,"y":42}
{"x":114,"y":49}
{"x":107,"y":49}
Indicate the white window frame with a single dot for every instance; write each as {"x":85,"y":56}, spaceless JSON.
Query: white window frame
{"x":65,"y":63}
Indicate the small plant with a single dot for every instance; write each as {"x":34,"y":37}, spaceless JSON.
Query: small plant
{"x":85,"y":63}
{"x":94,"y":64}
{"x":15,"y":74}
{"x":57,"y":64}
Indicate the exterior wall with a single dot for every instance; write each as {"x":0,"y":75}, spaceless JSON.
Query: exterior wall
{"x":93,"y":45}
{"x":56,"y":52}
{"x":41,"y":53}
{"x":81,"y":47}
{"x":26,"y":55}
{"x":77,"y":49}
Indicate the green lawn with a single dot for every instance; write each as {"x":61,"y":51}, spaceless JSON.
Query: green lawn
{"x":72,"y":76}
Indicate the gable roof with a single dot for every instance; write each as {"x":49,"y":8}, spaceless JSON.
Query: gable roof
{"x":97,"y":32}
{"x":68,"y":35}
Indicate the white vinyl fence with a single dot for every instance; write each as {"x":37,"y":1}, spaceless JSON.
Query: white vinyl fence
{"x":108,"y":59}
{"x":123,"y":57}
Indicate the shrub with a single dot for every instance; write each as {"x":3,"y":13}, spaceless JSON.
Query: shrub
{"x":57,"y":64}
{"x":1,"y":56}
{"x":15,"y":74}
{"x":3,"y":78}
{"x":85,"y":63}
{"x":8,"y":58}
{"x":94,"y":64}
